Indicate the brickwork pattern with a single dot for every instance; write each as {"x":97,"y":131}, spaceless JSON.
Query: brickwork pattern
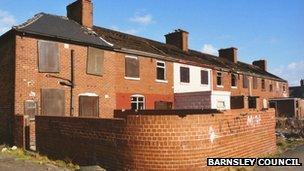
{"x":29,"y":80}
{"x":157,"y":142}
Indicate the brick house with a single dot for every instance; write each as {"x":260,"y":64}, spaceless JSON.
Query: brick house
{"x":56,"y":65}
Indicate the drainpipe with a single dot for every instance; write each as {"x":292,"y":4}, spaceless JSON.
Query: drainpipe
{"x":72,"y":84}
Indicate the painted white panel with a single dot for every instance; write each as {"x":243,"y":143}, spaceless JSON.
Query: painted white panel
{"x":195,"y":79}
{"x":220,"y":100}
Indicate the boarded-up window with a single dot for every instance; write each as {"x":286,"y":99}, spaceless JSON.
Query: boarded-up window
{"x":53,"y":102}
{"x":255,"y":82}
{"x":233,"y":80}
{"x":184,"y":75}
{"x":162,"y":105}
{"x":88,"y":106}
{"x":48,"y":53}
{"x":237,"y":102}
{"x":95,"y":61}
{"x":204,"y":77}
{"x":30,"y":108}
{"x":252,"y":102}
{"x":131,"y":67}
{"x":245,"y":81}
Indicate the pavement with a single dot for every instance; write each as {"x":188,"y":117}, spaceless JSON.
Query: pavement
{"x":10,"y":163}
{"x":297,"y":152}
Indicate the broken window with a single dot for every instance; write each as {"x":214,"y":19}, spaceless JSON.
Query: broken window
{"x":48,"y":53}
{"x":137,"y":102}
{"x":255,"y":82}
{"x":233,"y":80}
{"x":131,"y":67}
{"x":89,"y":106}
{"x":184,"y":75}
{"x":53,"y":102}
{"x":245,"y":81}
{"x":263,"y":84}
{"x":219,"y":79}
{"x":95,"y":61}
{"x":204,"y":77}
{"x":162,"y":105}
{"x":160,"y":70}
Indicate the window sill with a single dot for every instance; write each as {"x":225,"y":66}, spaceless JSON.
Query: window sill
{"x":204,"y":85}
{"x":234,"y":87}
{"x":161,"y":81}
{"x":220,"y":86}
{"x":184,"y":83}
{"x":132,"y":78}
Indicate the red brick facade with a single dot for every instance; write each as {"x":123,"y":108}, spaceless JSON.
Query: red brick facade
{"x":110,"y":86}
{"x":239,"y":90}
{"x":165,"y":142}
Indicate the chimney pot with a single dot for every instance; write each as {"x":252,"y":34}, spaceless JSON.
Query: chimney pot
{"x":229,"y":54}
{"x":81,"y":11}
{"x":178,"y":38}
{"x":262,"y":64}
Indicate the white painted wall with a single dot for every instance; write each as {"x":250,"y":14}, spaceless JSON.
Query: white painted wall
{"x":220,"y":100}
{"x":195,"y":79}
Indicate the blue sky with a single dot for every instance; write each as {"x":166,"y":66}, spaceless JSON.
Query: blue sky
{"x":271,"y":30}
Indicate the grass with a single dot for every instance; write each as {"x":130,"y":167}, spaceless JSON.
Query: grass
{"x":36,"y":158}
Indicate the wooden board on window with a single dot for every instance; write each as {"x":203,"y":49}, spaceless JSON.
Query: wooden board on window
{"x":132,"y":67}
{"x":95,"y":61}
{"x":48,"y":54}
{"x":162,"y":105}
{"x":53,"y":102}
{"x":88,"y":106}
{"x":184,"y":75}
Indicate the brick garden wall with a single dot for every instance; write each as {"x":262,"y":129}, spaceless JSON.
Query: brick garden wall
{"x":162,"y":142}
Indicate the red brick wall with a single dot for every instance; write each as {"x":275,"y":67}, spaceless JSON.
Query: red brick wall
{"x":108,"y":86}
{"x":123,"y":100}
{"x":263,"y":94}
{"x":157,"y":142}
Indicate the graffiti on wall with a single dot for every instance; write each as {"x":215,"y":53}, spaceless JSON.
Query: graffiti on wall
{"x":212,"y":134}
{"x":254,"y":120}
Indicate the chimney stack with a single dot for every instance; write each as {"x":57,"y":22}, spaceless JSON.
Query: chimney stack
{"x":229,"y":54}
{"x":81,"y":11}
{"x":262,"y":64}
{"x":178,"y":38}
{"x":302,"y":82}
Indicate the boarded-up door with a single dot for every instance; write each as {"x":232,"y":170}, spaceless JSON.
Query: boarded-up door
{"x":88,"y":106}
{"x":53,"y":102}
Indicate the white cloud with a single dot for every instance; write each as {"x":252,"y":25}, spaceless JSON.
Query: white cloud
{"x":292,"y":72}
{"x":129,"y":31}
{"x":6,"y":21}
{"x":141,"y":18}
{"x":210,"y":49}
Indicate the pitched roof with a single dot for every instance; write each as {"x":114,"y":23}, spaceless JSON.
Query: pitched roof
{"x":123,"y":40}
{"x":60,"y":27}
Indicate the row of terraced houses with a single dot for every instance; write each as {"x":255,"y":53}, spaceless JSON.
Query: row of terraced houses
{"x":66,"y":66}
